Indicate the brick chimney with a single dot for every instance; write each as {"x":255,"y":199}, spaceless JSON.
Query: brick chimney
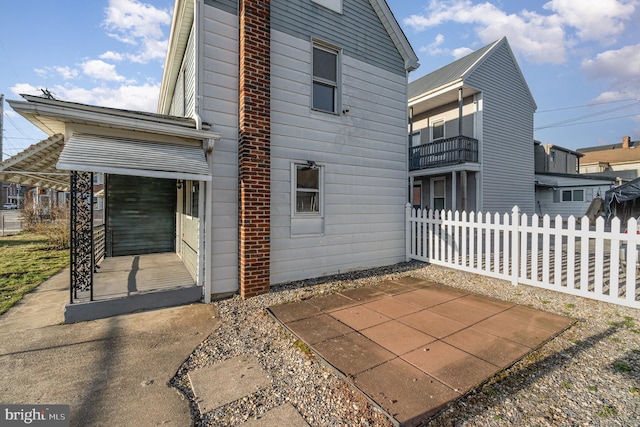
{"x":254,"y":147}
{"x":626,"y":141}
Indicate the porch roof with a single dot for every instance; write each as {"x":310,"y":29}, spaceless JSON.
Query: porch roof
{"x":36,"y":166}
{"x":101,"y":139}
{"x":124,"y":156}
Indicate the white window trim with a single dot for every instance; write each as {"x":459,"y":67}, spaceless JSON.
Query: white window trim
{"x":294,"y":190}
{"x":433,"y":122}
{"x":315,"y":43}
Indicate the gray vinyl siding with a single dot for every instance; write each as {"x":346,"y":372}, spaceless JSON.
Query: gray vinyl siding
{"x":228,"y":6}
{"x":140,"y":215}
{"x":357,"y":30}
{"x":363,"y":154}
{"x":507,"y":153}
{"x":220,"y":107}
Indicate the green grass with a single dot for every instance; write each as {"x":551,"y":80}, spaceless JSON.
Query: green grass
{"x":26,"y":260}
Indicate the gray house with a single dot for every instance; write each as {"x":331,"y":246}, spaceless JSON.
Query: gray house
{"x":278,"y":153}
{"x":471,"y":125}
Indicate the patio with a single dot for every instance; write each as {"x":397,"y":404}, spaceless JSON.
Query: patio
{"x":126,"y":284}
{"x":412,"y":346}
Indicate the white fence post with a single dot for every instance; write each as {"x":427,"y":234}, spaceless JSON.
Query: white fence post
{"x":515,"y":244}
{"x":408,"y":227}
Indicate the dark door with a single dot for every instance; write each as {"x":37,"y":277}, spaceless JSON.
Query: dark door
{"x":141,"y":216}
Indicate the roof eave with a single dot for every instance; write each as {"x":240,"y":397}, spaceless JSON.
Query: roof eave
{"x":397,"y":35}
{"x":103,"y":116}
{"x":180,"y":29}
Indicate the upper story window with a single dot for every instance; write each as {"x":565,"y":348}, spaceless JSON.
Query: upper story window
{"x":335,"y":5}
{"x":437,"y":129}
{"x":326,"y":73}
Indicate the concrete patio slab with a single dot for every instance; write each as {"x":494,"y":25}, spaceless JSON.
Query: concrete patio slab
{"x":353,"y":353}
{"x":412,"y":345}
{"x":405,"y":392}
{"x":217,"y":385}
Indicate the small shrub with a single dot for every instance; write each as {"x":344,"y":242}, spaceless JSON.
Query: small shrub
{"x":57,"y":235}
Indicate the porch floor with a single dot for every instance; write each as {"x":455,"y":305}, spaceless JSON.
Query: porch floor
{"x":127,"y":284}
{"x":125,"y":276}
{"x":412,"y":346}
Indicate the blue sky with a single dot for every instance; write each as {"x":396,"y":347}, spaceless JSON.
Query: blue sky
{"x":580,"y":58}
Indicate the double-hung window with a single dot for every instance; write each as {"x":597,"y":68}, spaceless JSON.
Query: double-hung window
{"x":307,"y":183}
{"x":437,"y":130}
{"x":326,"y":81}
{"x":307,"y":199}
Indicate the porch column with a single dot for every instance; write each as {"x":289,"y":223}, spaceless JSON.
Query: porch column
{"x":464,"y":184}
{"x":254,"y":147}
{"x":81,"y":230}
{"x":454,"y":192}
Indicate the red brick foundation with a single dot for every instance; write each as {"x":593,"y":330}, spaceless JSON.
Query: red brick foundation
{"x":254,"y":147}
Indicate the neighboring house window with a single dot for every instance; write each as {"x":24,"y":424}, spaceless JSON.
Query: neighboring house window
{"x":325,"y":94}
{"x":437,"y":130}
{"x":438,"y":194}
{"x":307,"y":189}
{"x":553,"y":156}
{"x":416,"y":139}
{"x":573,"y":195}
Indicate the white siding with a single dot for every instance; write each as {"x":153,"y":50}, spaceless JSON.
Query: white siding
{"x":183,"y":100}
{"x":220,"y":64}
{"x":506,"y":140}
{"x":364,"y":158}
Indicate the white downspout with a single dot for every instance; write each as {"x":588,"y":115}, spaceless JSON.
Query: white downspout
{"x":205,"y":240}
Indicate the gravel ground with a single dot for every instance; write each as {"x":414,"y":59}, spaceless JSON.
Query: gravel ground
{"x":587,"y":376}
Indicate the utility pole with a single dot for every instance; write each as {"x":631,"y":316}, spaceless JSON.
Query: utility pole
{"x":1,"y":122}
{"x":2,"y":190}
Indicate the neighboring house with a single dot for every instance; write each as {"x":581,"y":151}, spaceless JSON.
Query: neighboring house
{"x":612,"y":158}
{"x":550,"y":158}
{"x":471,"y":125}
{"x":289,"y":160}
{"x":560,"y":189}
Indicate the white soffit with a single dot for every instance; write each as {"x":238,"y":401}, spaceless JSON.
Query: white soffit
{"x":122,"y":156}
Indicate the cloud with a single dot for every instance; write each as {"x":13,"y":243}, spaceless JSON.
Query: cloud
{"x":98,"y":69}
{"x":537,"y":38}
{"x":138,"y":24}
{"x":128,"y":96}
{"x":434,"y":48}
{"x":597,"y":20}
{"x":67,"y":73}
{"x":112,"y":56}
{"x":621,"y":67}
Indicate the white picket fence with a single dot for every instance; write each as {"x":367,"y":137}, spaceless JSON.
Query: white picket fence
{"x":562,"y":255}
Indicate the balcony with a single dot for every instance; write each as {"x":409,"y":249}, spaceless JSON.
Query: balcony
{"x":444,"y":152}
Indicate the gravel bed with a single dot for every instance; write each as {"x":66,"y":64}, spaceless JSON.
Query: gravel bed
{"x":588,"y":375}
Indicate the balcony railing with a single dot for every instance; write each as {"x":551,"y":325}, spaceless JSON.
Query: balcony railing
{"x":450,"y":151}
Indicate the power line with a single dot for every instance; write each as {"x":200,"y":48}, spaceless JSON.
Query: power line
{"x":586,"y":116}
{"x":589,"y":122}
{"x":585,"y":105}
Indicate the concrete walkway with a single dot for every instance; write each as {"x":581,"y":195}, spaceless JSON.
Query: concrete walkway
{"x":112,"y":372}
{"x":412,"y":346}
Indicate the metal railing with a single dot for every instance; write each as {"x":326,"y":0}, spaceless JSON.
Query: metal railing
{"x":99,"y":244}
{"x":450,"y":151}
